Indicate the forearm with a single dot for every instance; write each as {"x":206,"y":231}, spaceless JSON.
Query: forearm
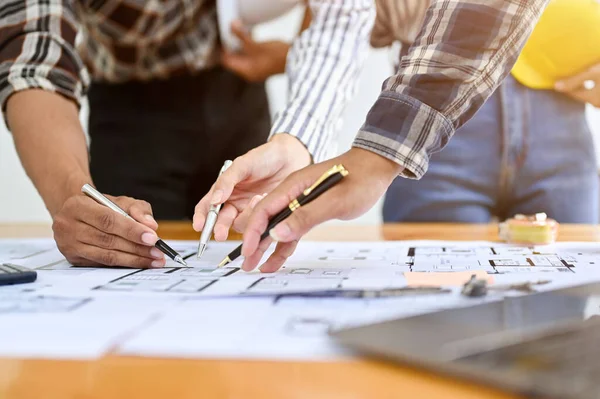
{"x":51,"y":144}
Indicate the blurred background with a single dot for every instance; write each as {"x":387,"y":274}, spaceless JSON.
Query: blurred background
{"x":19,"y":201}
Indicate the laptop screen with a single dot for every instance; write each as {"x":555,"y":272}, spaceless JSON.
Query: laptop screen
{"x":546,"y":343}
{"x":457,"y":333}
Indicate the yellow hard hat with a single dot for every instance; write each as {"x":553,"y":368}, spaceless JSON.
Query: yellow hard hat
{"x":565,"y":42}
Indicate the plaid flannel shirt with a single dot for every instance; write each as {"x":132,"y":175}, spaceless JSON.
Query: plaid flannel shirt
{"x":463,"y":51}
{"x":123,"y":40}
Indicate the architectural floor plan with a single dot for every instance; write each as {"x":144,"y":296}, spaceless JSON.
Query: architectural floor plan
{"x":83,"y":312}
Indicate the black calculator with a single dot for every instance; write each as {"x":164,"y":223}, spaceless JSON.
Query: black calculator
{"x":15,"y":274}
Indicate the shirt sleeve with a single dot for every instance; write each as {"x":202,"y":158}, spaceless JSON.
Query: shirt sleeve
{"x":323,"y":68}
{"x":464,"y":50}
{"x":37,"y":49}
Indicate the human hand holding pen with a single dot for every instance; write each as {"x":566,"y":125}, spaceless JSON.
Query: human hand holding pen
{"x":369,"y":177}
{"x":90,"y":234}
{"x":244,"y":183}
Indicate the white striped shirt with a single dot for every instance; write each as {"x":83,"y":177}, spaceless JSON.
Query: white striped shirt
{"x":323,"y":67}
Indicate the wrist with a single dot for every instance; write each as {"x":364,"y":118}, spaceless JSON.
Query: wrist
{"x":375,"y":165}
{"x":69,"y":186}
{"x":292,"y":147}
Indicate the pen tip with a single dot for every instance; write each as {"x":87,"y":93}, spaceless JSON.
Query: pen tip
{"x":201,"y":250}
{"x":224,"y":262}
{"x":180,"y":260}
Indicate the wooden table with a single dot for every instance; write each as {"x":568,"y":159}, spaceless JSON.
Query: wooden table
{"x":129,"y":377}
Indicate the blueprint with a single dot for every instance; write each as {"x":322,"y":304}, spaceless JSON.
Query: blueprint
{"x":86,"y":312}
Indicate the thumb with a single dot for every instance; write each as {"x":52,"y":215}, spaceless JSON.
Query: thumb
{"x":220,"y":191}
{"x":225,"y":184}
{"x":238,"y":29}
{"x":301,"y":221}
{"x":140,"y":211}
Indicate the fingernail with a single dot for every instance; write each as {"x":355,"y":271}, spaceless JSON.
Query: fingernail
{"x":216,"y":198}
{"x":149,"y":238}
{"x":559,"y":86}
{"x":155,"y":252}
{"x":150,"y":218}
{"x":157,"y":263}
{"x":281,"y":232}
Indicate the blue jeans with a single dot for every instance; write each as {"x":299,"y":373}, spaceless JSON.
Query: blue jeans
{"x":525,"y":151}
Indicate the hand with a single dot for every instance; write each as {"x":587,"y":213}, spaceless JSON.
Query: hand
{"x":369,"y":177}
{"x":256,"y":61}
{"x":241,"y":186}
{"x":90,"y":234}
{"x":575,"y":86}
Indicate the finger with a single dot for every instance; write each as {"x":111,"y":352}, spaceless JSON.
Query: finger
{"x":282,"y":252}
{"x":252,"y":261}
{"x":94,"y":237}
{"x":583,"y":95}
{"x":221,"y":190}
{"x":117,"y":258}
{"x":239,"y":170}
{"x":141,"y":211}
{"x":237,"y":28}
{"x":240,"y":222}
{"x":226,"y":217}
{"x":111,"y":222}
{"x":240,"y":64}
{"x":302,"y":220}
{"x":272,"y":204}
{"x":576,"y":82}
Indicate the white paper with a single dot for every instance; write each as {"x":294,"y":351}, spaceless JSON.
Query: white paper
{"x":19,"y":248}
{"x":80,"y":312}
{"x":70,"y":327}
{"x":290,"y":329}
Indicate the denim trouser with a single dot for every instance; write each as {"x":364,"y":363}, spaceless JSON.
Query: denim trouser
{"x":525,"y":151}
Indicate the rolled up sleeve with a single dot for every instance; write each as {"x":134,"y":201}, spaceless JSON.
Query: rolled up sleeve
{"x":37,"y":49}
{"x":462,"y":53}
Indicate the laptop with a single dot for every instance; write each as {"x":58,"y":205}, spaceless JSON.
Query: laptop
{"x":541,"y":345}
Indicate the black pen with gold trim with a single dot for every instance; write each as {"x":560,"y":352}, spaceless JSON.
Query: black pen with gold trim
{"x":329,"y":179}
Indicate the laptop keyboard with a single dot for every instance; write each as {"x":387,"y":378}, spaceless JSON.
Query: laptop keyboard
{"x":565,"y":364}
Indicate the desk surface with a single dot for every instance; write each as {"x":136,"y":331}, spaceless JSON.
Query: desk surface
{"x":128,"y":377}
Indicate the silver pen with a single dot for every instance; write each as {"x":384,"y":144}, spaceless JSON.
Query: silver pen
{"x":211,"y":219}
{"x":101,"y":199}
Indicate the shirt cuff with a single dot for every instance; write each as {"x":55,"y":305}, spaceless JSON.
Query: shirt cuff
{"x":404,"y":130}
{"x":311,"y":132}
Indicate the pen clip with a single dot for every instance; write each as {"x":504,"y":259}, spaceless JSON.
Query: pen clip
{"x":336,"y":169}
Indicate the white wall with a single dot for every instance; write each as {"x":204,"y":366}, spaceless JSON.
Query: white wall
{"x":19,"y":201}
